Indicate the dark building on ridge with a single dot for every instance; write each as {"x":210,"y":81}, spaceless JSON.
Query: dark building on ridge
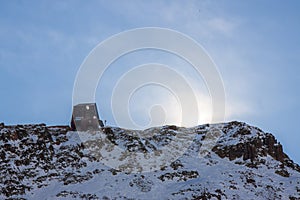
{"x":85,"y":117}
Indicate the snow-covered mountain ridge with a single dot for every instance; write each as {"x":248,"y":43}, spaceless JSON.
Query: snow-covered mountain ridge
{"x":222,"y":161}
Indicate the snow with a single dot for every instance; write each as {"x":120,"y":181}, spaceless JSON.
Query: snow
{"x":230,"y":179}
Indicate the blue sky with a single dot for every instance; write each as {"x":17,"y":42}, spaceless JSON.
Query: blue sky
{"x":255,"y":44}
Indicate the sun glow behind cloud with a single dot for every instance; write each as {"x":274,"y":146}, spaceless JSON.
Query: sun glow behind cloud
{"x":156,"y":106}
{"x":152,"y":100}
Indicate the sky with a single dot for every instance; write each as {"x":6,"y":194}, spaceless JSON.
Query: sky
{"x":255,"y":46}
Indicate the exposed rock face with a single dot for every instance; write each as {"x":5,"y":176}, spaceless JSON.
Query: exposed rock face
{"x":251,"y":148}
{"x":224,"y":161}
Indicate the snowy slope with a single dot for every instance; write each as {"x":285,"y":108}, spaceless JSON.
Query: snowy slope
{"x":219,"y":161}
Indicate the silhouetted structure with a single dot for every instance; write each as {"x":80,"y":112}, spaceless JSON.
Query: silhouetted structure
{"x":85,"y":117}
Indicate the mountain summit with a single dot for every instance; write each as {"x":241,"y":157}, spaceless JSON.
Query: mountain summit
{"x":213,"y":161}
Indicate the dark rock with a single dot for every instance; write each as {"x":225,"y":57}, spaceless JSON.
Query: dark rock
{"x":142,"y":183}
{"x":251,"y":149}
{"x":171,"y":127}
{"x":180,"y":175}
{"x":2,"y":126}
{"x":282,"y":172}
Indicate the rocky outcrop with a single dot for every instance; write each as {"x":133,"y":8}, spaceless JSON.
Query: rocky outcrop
{"x":249,"y":148}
